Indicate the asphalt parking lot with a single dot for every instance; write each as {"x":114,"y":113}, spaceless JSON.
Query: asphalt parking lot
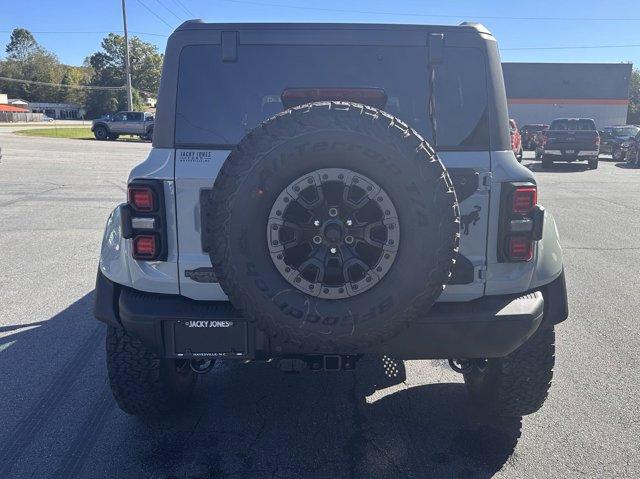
{"x":251,"y":421}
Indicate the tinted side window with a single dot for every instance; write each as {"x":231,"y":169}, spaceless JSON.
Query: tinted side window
{"x":461,"y":99}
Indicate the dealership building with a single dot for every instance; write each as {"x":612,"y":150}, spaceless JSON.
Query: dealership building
{"x":540,"y":92}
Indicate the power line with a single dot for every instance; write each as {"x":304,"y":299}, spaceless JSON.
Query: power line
{"x":575,"y":47}
{"x":182,"y":5}
{"x":78,"y":87}
{"x":155,"y":14}
{"x":427,"y":15}
{"x":85,"y":32}
{"x":180,"y":19}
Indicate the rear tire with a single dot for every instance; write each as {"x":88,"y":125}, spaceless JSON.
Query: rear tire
{"x":617,"y":155}
{"x":149,"y":135}
{"x":593,"y":163}
{"x":519,"y":383}
{"x":142,"y":383}
{"x":547,"y":163}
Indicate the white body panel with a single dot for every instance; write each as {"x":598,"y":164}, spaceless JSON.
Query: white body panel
{"x":508,"y":278}
{"x":196,"y":170}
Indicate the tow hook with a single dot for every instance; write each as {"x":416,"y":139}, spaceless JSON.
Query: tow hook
{"x":201,"y":366}
{"x":460,"y":365}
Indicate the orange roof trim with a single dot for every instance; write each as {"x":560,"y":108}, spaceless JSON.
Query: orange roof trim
{"x":14,"y":109}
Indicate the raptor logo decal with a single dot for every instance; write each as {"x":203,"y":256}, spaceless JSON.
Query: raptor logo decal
{"x":470,"y":219}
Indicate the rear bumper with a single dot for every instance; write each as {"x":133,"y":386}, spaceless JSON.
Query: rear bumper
{"x":576,"y":153}
{"x":492,"y":326}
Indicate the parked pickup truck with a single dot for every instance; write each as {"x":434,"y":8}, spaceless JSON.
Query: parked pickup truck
{"x":135,"y":123}
{"x":571,"y":139}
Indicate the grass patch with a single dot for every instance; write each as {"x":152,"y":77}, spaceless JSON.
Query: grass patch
{"x":79,"y":133}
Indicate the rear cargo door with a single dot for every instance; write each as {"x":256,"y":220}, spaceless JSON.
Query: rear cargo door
{"x":226,"y":89}
{"x":461,"y":114}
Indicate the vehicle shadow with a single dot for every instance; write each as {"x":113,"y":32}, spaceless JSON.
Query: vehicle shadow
{"x":245,"y":420}
{"x":131,"y":139}
{"x":558,"y":167}
{"x":254,"y":421}
{"x":626,"y":166}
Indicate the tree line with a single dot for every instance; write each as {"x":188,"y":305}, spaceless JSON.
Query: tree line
{"x":26,"y":59}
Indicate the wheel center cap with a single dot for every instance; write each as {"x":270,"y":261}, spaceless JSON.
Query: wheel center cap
{"x":333,"y":233}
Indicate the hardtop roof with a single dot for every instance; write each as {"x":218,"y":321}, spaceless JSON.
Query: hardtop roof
{"x":199,"y":24}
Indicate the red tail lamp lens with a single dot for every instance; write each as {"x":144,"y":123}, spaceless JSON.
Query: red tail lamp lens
{"x":524,"y":199}
{"x":520,"y":248}
{"x":144,"y":247}
{"x":141,"y":198}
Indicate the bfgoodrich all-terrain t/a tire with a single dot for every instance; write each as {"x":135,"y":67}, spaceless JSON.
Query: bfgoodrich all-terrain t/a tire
{"x":142,"y":383}
{"x":358,"y":192}
{"x":517,"y":384}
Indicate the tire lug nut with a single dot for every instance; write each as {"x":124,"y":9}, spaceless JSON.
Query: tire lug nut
{"x":316,"y":222}
{"x":333,"y":250}
{"x":333,"y":211}
{"x":317,"y":239}
{"x":349,"y":222}
{"x":348,"y":239}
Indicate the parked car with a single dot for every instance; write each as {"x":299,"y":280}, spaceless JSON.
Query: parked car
{"x":631,"y":150}
{"x":529,"y":134}
{"x":135,"y":123}
{"x":516,"y":139}
{"x":281,"y":218}
{"x":571,"y":139}
{"x":612,"y":138}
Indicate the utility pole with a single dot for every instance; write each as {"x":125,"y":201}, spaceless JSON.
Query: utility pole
{"x":127,"y":68}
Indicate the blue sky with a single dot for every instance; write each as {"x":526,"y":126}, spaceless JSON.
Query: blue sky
{"x":535,"y":39}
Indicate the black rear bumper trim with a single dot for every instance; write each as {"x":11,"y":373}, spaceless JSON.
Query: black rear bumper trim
{"x":491,"y":326}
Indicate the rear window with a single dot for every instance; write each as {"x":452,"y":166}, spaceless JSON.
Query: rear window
{"x":535,"y":127}
{"x":218,"y":102}
{"x":573,"y":124}
{"x":626,"y":131}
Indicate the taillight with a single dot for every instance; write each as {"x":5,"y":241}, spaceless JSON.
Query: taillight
{"x":141,"y":198}
{"x":520,"y":248}
{"x":144,"y":220}
{"x":145,"y":247}
{"x":596,"y":140}
{"x":521,"y":221}
{"x":523,"y":199}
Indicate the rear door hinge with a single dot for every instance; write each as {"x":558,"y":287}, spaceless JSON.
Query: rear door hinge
{"x":484,"y":181}
{"x":480,"y":274}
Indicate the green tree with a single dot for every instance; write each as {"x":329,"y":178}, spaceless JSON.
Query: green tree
{"x":108,"y":70}
{"x":27,"y":60}
{"x":633,"y":113}
{"x":21,"y":45}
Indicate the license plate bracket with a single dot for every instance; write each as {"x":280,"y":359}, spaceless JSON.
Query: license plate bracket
{"x":212,"y":338}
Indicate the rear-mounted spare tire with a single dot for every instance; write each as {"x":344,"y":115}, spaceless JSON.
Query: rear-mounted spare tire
{"x":332,"y":225}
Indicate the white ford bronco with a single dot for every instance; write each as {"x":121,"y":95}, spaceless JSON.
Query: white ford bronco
{"x":320,"y":192}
